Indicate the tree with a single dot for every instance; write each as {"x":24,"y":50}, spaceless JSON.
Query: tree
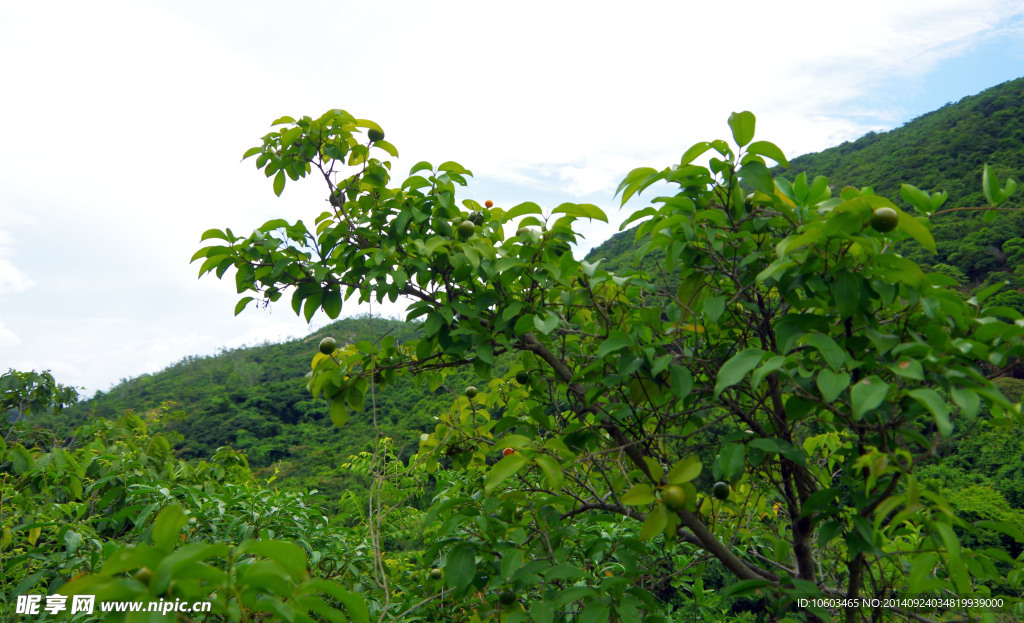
{"x":24,"y":393}
{"x":778,"y":344}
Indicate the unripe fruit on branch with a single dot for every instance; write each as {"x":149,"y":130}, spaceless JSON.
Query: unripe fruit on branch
{"x":328,"y":345}
{"x":884,"y":219}
{"x":674,"y":497}
{"x":466,"y":229}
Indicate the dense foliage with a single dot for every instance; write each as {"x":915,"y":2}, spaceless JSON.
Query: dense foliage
{"x":780,"y":346}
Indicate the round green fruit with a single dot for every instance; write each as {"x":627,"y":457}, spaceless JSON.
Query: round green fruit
{"x":375,"y":135}
{"x":884,"y":219}
{"x":328,"y":345}
{"x":720,"y":490}
{"x":674,"y":497}
{"x":470,"y":392}
{"x":466,"y":229}
{"x":522,"y":377}
{"x":436,"y":574}
{"x":507,"y":597}
{"x":144,"y":575}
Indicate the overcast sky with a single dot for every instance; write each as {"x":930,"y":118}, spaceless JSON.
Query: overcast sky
{"x":125,"y":122}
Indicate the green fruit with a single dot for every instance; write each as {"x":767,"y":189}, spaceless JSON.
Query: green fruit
{"x":477,"y":218}
{"x":328,"y":345}
{"x":375,"y":135}
{"x":507,"y":596}
{"x":522,"y":377}
{"x":470,"y":392}
{"x":144,"y":575}
{"x":466,"y":229}
{"x":524,"y":231}
{"x":884,"y":219}
{"x":436,"y":574}
{"x":720,"y":490}
{"x":674,"y":497}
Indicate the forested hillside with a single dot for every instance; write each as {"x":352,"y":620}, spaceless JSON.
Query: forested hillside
{"x":255,"y":399}
{"x":943,"y":150}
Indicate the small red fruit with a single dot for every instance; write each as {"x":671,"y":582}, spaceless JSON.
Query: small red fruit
{"x":489,"y":204}
{"x":507,"y":451}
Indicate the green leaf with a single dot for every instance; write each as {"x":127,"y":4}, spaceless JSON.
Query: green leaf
{"x":956,"y":567}
{"x":742,"y":124}
{"x":355,"y":605}
{"x":279,"y":181}
{"x":654,"y":467}
{"x":931,"y":401}
{"x":584,"y":210}
{"x":685,"y":470}
{"x":503,"y":469}
{"x":638,"y":495}
{"x":714,"y":307}
{"x":846,"y":293}
{"x":527,"y":207}
{"x":596,"y":611}
{"x":241,"y":304}
{"x":990,"y":185}
{"x":331,"y":302}
{"x":916,"y":230}
{"x":615,"y":342}
{"x":547,"y":325}
{"x":867,"y":394}
{"x":681,"y":381}
{"x":769,"y":366}
{"x":461,"y":567}
{"x":733,"y":371}
{"x":167,"y":525}
{"x":213,"y":233}
{"x":422,"y":165}
{"x":758,"y":176}
{"x":289,"y":555}
{"x":731,"y":460}
{"x":339,"y":411}
{"x":693,"y":153}
{"x":966,"y":399}
{"x":908,"y":368}
{"x":655,"y":523}
{"x":831,"y":384}
{"x":917,"y":198}
{"x":833,"y":355}
{"x":768,"y":150}
{"x":454,"y":167}
{"x":552,"y":471}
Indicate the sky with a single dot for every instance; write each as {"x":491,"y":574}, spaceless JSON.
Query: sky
{"x":125,"y":122}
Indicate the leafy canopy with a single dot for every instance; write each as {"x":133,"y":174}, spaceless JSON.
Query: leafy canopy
{"x":772,"y":340}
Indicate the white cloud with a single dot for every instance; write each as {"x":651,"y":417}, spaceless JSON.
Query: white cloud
{"x":12,"y":280}
{"x":127,"y":121}
{"x":7,"y":338}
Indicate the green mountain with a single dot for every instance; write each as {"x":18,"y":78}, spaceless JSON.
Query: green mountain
{"x":943,"y":150}
{"x":255,"y":399}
